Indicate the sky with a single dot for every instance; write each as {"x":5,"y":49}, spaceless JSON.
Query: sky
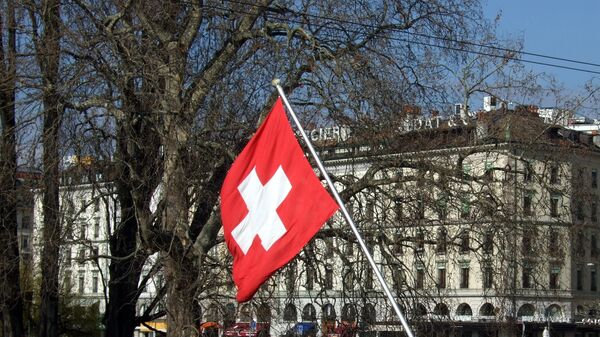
{"x":559,"y":28}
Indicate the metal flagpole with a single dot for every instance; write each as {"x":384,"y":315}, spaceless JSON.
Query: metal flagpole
{"x":360,"y":240}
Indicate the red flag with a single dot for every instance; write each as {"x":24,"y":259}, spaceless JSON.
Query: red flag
{"x":272,"y":204}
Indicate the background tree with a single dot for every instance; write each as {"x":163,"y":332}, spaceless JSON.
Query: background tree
{"x":11,"y":302}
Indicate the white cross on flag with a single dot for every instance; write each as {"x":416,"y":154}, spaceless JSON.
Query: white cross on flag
{"x":272,"y":204}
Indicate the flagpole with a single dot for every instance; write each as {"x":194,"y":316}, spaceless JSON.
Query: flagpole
{"x":361,"y":242}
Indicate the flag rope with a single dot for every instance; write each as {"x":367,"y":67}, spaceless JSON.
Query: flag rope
{"x":361,"y":242}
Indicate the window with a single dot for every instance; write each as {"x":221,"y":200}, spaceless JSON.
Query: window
{"x":594,"y":246}
{"x":527,"y":242}
{"x":81,"y":256}
{"x":397,"y":276}
{"x":528,"y":173}
{"x":349,"y":248}
{"x":420,"y":278}
{"x":580,"y":244}
{"x":527,"y":274}
{"x":464,"y":277}
{"x":527,"y":197}
{"x":554,"y":179}
{"x":95,"y":282}
{"x":82,"y":231}
{"x":442,"y":207}
{"x":442,"y":238}
{"x":311,"y":275}
{"x":328,"y":247}
{"x":594,"y":212}
{"x":25,"y":243}
{"x":84,"y":204}
{"x":25,"y":222}
{"x":593,"y":285}
{"x":554,"y":277}
{"x":370,"y":211}
{"x":348,"y":279}
{"x":488,"y":242}
{"x":465,"y":209}
{"x":368,"y":280}
{"x":420,"y":241}
{"x":68,"y":256}
{"x":554,"y":201}
{"x":579,"y":211}
{"x":465,"y":242}
{"x":328,"y":277}
{"x":488,"y":175}
{"x":488,"y":277}
{"x":579,"y":279}
{"x":466,"y":171}
{"x":553,"y":243}
{"x":81,"y":283}
{"x":290,"y":277}
{"x":94,"y":253}
{"x":594,"y":178}
{"x":420,"y":207}
{"x":68,"y":280}
{"x":96,"y":230}
{"x":398,"y":209}
{"x":441,"y":277}
{"x":96,"y":204}
{"x":397,"y":248}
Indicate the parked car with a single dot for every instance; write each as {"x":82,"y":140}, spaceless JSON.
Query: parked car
{"x":248,"y":329}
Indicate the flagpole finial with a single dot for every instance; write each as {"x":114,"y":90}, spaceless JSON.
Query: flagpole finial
{"x":275,"y":82}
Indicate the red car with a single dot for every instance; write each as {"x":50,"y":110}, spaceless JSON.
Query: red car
{"x":244,"y":329}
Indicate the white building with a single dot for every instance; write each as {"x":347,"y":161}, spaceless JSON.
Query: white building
{"x":484,"y":229}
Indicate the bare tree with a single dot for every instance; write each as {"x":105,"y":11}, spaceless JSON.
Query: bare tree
{"x":11,"y":302}
{"x":46,"y":25}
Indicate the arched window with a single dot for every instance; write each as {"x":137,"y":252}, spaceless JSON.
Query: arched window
{"x":263,"y":314}
{"x":349,"y":313}
{"x":464,"y":310}
{"x":328,"y":317}
{"x":289,"y":313}
{"x":441,"y":310}
{"x":229,"y":315}
{"x":526,"y":310}
{"x":368,"y":314}
{"x":486,"y":310}
{"x":553,"y":312}
{"x":245,"y":313}
{"x":309,"y":313}
{"x":328,"y":312}
{"x":420,"y":310}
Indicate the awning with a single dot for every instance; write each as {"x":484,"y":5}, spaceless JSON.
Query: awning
{"x":160,"y":326}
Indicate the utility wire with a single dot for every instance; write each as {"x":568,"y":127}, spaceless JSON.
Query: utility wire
{"x":469,"y":51}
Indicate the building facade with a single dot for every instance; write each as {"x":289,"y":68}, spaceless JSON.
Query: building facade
{"x":486,"y":227}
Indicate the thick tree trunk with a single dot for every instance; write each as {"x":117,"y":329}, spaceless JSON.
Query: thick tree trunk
{"x":11,"y":302}
{"x":52,"y":226}
{"x":125,"y":270}
{"x":48,"y":53}
{"x":181,"y":294}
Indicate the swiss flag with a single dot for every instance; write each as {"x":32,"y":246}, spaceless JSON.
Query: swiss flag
{"x":272,"y":204}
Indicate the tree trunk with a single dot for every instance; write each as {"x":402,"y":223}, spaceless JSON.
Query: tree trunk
{"x":11,"y":302}
{"x":48,"y":53}
{"x":125,"y":270}
{"x":182,"y":314}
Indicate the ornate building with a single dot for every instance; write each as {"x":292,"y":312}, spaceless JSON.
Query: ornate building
{"x":485,"y":227}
